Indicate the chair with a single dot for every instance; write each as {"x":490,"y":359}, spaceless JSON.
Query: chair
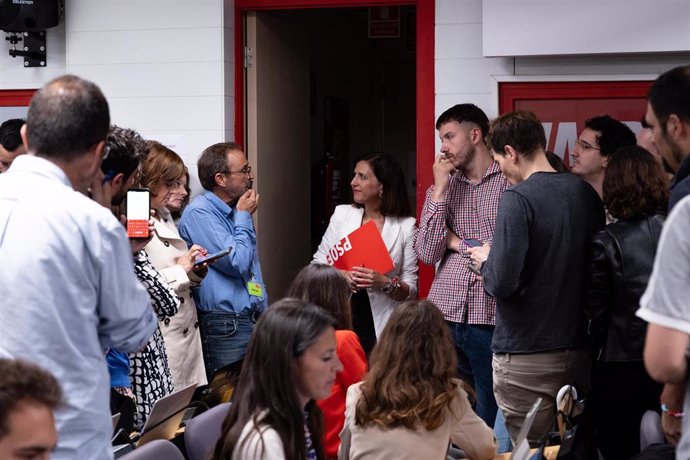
{"x":203,"y":431}
{"x":158,"y":449}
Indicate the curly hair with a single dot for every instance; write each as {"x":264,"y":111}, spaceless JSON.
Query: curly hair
{"x":634,"y":184}
{"x":412,"y":376}
{"x":613,"y":134}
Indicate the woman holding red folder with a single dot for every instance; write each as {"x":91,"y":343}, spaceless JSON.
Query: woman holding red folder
{"x":379,"y":196}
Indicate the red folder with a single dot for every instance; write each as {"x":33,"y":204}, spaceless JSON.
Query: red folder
{"x":362,"y":248}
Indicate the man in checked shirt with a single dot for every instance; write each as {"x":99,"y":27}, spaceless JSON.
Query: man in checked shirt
{"x":462,"y":206}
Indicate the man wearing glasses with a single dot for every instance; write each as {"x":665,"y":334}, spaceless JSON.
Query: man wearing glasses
{"x":233,"y":293}
{"x":601,"y":137}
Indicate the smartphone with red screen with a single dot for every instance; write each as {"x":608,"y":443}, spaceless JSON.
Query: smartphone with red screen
{"x":138,"y":212}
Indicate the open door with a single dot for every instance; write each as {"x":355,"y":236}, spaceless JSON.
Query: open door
{"x":277,"y":144}
{"x":424,"y":119}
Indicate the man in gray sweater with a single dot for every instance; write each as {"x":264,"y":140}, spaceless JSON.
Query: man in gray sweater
{"x":535,"y":270}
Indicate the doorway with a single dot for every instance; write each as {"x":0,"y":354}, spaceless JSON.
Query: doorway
{"x":316,"y":93}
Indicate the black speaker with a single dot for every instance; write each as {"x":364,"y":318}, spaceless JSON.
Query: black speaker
{"x":29,"y":15}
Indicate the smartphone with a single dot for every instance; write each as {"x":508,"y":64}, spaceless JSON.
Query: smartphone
{"x":138,"y":212}
{"x":212,"y":258}
{"x":473,"y":268}
{"x":472,"y":243}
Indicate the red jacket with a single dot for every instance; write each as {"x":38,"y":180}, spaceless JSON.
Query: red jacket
{"x":352,"y":356}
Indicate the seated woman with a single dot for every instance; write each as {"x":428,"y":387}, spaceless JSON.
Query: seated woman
{"x":622,"y":257}
{"x":379,"y":195}
{"x":323,"y":285}
{"x":291,"y":361}
{"x":410,"y":404}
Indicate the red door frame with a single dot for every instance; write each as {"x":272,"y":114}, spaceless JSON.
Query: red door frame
{"x":425,"y":83}
{"x":16,"y":97}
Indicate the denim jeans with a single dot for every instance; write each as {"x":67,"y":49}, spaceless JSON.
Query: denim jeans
{"x":473,"y":346}
{"x":225,"y":336}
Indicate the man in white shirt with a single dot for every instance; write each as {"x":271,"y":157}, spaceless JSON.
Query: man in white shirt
{"x":67,"y":280}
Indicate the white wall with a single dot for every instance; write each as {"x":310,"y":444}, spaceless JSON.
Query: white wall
{"x":585,"y":27}
{"x":164,"y":65}
{"x":13,"y":74}
{"x":160,"y":63}
{"x":464,"y":75}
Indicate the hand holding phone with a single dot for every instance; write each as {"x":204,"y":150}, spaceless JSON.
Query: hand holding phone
{"x":211,"y":258}
{"x":472,"y":243}
{"x":138,"y":212}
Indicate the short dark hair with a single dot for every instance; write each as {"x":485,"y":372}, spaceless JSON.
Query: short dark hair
{"x":670,"y":93}
{"x":634,"y":184}
{"x":67,"y":117}
{"x":613,"y":134}
{"x":212,"y":161}
{"x":24,"y":381}
{"x":465,"y":112}
{"x":521,"y":130}
{"x":10,"y":136}
{"x":387,"y":170}
{"x":125,"y":150}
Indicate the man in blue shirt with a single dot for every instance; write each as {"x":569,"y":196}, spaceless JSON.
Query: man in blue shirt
{"x":233,"y":293}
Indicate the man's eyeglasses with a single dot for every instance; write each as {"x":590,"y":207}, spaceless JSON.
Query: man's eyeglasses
{"x":584,"y":146}
{"x":246,"y":170}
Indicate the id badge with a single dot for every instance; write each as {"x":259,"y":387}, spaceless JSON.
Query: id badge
{"x":255,"y":289}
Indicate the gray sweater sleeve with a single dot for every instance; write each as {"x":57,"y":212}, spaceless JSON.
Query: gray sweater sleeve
{"x":503,"y":270}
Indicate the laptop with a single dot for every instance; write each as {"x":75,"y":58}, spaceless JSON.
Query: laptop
{"x":166,"y":414}
{"x":220,"y":385}
{"x":115,"y":419}
{"x":521,"y":451}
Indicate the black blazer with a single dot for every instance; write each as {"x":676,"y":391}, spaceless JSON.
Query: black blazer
{"x":621,"y":263}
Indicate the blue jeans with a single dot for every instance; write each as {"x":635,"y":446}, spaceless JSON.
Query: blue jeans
{"x":225,"y":337}
{"x":473,"y":346}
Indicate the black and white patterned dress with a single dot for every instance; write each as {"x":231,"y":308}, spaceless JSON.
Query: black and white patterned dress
{"x":148,"y":369}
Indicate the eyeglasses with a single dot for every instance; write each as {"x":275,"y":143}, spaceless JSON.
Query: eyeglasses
{"x":246,"y":170}
{"x":584,"y":146}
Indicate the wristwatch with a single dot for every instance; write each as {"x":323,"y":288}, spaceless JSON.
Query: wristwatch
{"x":392,"y":286}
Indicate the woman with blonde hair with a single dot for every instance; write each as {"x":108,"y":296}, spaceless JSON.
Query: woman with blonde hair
{"x":324,"y":286}
{"x":410,"y":404}
{"x":164,"y":173}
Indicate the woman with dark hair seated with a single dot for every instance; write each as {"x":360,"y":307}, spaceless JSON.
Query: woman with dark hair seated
{"x":322,"y":285}
{"x":635,"y":192}
{"x":291,"y":361}
{"x":379,"y":195}
{"x":410,"y":404}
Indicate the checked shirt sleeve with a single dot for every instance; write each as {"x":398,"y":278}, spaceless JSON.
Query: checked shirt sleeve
{"x":430,"y":241}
